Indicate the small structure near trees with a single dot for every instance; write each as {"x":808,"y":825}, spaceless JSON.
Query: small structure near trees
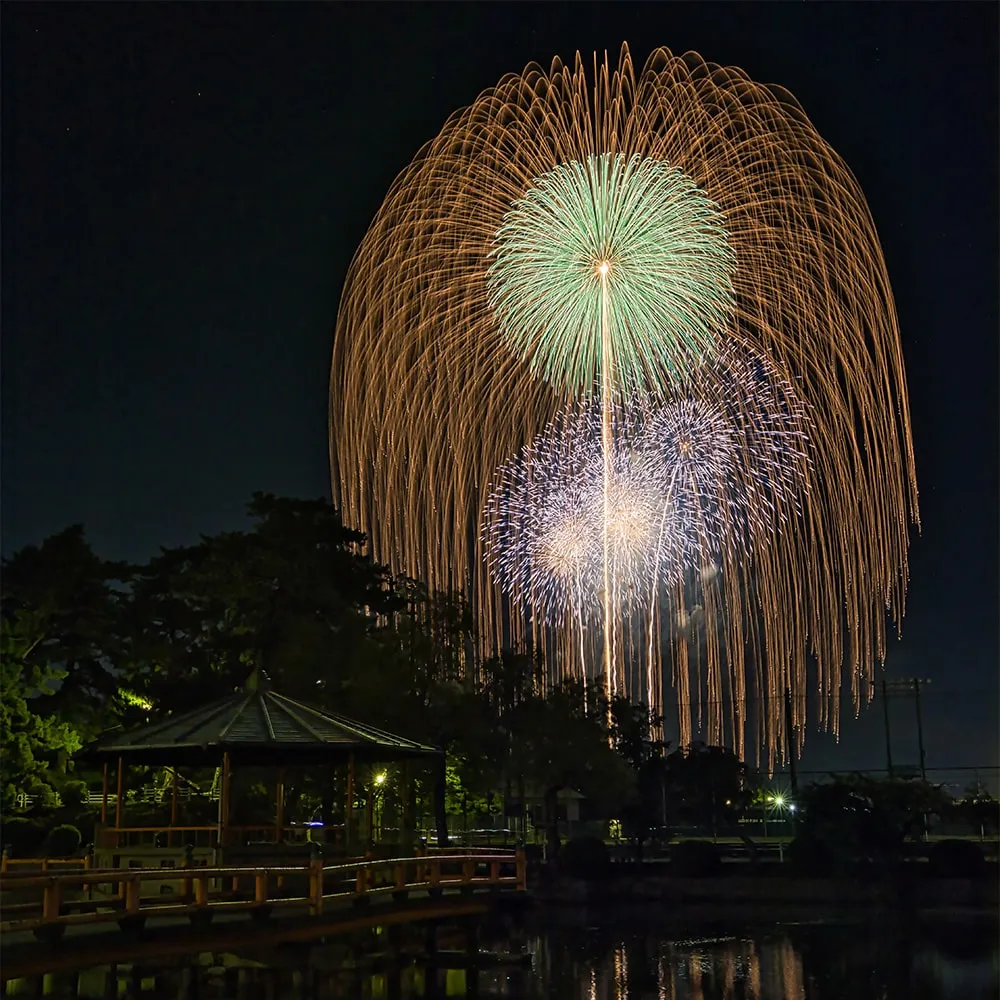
{"x":261,"y":733}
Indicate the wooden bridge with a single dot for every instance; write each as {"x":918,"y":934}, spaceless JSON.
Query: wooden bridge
{"x":104,"y":914}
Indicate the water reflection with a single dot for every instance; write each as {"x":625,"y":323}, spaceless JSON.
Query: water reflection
{"x":883,"y":961}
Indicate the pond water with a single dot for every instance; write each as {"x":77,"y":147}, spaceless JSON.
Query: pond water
{"x":568,"y":957}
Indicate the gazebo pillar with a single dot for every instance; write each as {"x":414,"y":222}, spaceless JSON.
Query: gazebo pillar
{"x":279,"y":808}
{"x":349,"y":805}
{"x":118,"y":799}
{"x":173,"y":806}
{"x":104,"y":795}
{"x":224,"y":800}
{"x":407,"y":820}
{"x":370,"y":807}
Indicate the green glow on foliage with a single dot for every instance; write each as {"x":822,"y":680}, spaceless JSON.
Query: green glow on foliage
{"x":645,"y":228}
{"x":134,"y":699}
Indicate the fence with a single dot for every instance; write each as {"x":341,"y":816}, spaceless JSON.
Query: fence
{"x":256,"y":890}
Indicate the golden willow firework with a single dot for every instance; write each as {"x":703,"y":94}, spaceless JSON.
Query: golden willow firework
{"x":520,"y":259}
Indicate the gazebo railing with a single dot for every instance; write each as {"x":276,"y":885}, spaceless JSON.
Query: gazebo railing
{"x":204,"y":835}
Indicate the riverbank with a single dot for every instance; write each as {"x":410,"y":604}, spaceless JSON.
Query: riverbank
{"x":977,"y":895}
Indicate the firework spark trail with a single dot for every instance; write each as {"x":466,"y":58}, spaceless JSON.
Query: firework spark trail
{"x":551,"y":509}
{"x":431,"y":389}
{"x":607,"y":390}
{"x":665,"y":488}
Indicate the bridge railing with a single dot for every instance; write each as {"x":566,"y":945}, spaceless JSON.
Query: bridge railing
{"x":116,"y":895}
{"x":27,"y":866}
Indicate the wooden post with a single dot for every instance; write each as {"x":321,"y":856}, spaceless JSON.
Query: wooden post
{"x":316,"y":887}
{"x":133,"y":893}
{"x":188,"y":864}
{"x":522,"y":869}
{"x":104,"y":796}
{"x":52,"y":900}
{"x":349,"y":810}
{"x":173,"y":806}
{"x":224,"y":801}
{"x":201,"y":890}
{"x":260,"y":887}
{"x":118,"y":799}
{"x":279,"y":814}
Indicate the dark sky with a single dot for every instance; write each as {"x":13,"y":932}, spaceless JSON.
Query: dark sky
{"x":184,"y":185}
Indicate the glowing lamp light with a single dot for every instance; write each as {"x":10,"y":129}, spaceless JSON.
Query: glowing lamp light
{"x":380,"y":778}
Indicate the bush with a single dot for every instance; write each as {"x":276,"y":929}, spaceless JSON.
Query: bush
{"x":85,"y":822}
{"x":74,"y":794}
{"x":63,"y":841}
{"x":696,"y":858}
{"x":955,"y":859}
{"x":43,"y":793}
{"x":22,"y":836}
{"x":583,"y":857}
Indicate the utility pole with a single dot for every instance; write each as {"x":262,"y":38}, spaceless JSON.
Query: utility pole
{"x":793,"y":776}
{"x":888,"y":738}
{"x":920,"y":729}
{"x":904,"y":687}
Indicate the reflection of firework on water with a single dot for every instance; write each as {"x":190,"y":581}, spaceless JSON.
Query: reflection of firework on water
{"x":654,"y":238}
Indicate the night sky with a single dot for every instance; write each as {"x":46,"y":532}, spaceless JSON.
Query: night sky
{"x":184,"y":186}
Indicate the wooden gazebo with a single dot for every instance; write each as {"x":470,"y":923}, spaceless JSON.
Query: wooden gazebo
{"x":257,"y":727}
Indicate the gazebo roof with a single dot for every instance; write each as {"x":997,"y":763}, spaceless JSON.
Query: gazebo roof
{"x":255,"y":727}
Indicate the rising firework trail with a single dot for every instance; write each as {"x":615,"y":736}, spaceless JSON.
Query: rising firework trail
{"x":475,"y":311}
{"x":615,"y":271}
{"x":707,"y":477}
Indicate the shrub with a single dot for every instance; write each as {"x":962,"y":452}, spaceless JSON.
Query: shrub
{"x":86,"y":823}
{"x":584,"y":856}
{"x":955,"y":859}
{"x":695,"y":858}
{"x":43,"y":793}
{"x":22,"y":835}
{"x":74,"y":794}
{"x":63,"y":841}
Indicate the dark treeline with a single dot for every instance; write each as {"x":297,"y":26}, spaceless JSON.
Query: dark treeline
{"x":89,"y":645}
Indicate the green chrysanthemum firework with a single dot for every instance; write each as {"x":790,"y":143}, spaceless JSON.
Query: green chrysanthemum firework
{"x":642,"y":227}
